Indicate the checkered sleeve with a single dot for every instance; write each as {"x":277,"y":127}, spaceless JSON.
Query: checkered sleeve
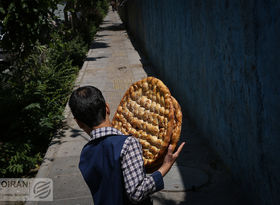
{"x":138,"y":186}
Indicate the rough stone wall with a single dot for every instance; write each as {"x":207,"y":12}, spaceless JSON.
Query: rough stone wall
{"x":221,"y":59}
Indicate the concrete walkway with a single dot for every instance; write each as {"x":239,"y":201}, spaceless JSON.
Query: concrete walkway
{"x":112,"y":65}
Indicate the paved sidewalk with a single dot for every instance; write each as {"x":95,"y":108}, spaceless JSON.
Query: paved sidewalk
{"x":112,"y":65}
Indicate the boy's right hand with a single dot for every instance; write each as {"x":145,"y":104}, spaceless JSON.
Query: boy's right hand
{"x":169,"y":159}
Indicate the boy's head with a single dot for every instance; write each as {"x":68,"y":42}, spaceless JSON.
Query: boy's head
{"x":88,"y":106}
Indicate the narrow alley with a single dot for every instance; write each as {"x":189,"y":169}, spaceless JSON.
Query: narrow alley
{"x":112,"y":64}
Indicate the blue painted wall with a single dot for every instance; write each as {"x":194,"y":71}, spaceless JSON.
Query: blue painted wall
{"x":221,"y":59}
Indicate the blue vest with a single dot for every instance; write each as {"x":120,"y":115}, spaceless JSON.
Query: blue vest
{"x":101,"y":168}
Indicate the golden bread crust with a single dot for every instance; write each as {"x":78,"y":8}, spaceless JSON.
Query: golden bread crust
{"x":177,"y":123}
{"x":146,"y":112}
{"x":176,"y":132}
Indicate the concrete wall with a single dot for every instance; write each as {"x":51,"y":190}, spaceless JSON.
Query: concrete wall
{"x":221,"y":60}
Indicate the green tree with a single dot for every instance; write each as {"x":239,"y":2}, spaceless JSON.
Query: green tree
{"x":86,"y":16}
{"x":24,"y":22}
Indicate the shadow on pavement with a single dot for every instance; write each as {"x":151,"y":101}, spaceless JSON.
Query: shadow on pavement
{"x":96,"y":45}
{"x":114,"y":27}
{"x":100,"y":35}
{"x":94,"y":58}
{"x":78,"y":133}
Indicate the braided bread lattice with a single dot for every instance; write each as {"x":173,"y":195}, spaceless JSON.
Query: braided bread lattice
{"x":146,"y":111}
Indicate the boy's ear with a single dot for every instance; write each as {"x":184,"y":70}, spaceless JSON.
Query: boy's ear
{"x":107,"y":109}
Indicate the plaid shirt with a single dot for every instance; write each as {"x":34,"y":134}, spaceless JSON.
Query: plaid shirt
{"x":137,"y":184}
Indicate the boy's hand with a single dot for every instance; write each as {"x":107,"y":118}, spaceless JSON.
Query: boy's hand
{"x":169,"y":159}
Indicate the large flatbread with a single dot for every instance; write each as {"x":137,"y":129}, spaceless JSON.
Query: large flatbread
{"x":146,"y":111}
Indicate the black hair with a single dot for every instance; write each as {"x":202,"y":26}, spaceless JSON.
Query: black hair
{"x":88,"y":105}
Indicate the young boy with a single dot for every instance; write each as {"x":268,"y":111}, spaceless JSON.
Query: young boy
{"x":111,"y":163}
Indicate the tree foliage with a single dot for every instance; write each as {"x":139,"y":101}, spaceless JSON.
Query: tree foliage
{"x":24,"y":22}
{"x":86,"y":16}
